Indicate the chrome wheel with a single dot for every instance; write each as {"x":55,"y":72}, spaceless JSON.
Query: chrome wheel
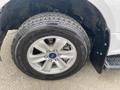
{"x":52,"y":55}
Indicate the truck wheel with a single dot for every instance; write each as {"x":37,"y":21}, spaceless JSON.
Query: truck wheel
{"x":50,"y":46}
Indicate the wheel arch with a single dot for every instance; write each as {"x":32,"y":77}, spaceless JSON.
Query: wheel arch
{"x":16,"y":12}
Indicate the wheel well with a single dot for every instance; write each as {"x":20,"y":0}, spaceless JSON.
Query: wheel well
{"x":16,"y":12}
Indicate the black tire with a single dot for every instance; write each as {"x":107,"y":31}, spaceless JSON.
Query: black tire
{"x":46,"y":24}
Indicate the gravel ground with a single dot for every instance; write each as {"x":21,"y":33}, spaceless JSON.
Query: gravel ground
{"x":11,"y":78}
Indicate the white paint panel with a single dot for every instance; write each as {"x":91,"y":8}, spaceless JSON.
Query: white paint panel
{"x":3,"y":2}
{"x":114,"y":44}
{"x":114,"y":5}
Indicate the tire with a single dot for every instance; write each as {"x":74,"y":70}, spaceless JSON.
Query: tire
{"x":45,"y":25}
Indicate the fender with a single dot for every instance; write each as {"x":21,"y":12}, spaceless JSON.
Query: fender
{"x":15,"y":12}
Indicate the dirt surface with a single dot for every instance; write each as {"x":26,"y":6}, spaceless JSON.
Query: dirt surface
{"x":11,"y":78}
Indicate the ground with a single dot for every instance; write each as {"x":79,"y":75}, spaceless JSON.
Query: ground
{"x":11,"y":78}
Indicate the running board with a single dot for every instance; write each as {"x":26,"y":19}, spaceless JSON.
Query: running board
{"x":112,"y":62}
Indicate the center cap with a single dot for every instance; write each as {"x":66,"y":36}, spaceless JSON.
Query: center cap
{"x":52,"y":55}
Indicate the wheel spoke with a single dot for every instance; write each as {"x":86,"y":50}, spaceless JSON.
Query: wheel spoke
{"x":60,"y":63}
{"x":66,"y":54}
{"x":47,"y":66}
{"x":42,"y":46}
{"x":59,"y":44}
{"x":37,"y":58}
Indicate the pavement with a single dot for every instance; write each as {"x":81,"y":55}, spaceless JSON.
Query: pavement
{"x":11,"y":78}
